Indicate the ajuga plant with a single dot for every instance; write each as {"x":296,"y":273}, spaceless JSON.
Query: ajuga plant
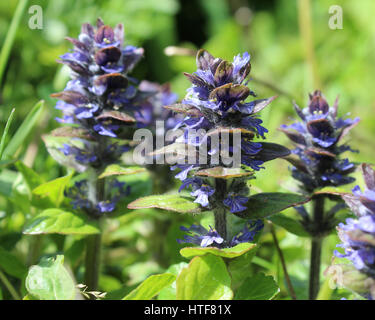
{"x":220,"y":125}
{"x":153,"y":116}
{"x":358,"y":240}
{"x":101,"y":104}
{"x":317,"y":163}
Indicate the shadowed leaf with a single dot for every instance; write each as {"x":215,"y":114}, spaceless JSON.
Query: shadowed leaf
{"x":271,"y":151}
{"x":263,"y":205}
{"x":258,"y":287}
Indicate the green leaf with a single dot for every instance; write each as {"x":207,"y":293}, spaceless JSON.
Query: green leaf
{"x":5,"y":133}
{"x":115,"y":169}
{"x":171,"y":202}
{"x":169,"y":292}
{"x":31,"y":178}
{"x":24,"y":130}
{"x":234,"y":252}
{"x":239,"y":267}
{"x":290,"y":224}
{"x":223,"y":173}
{"x":206,"y":278}
{"x":151,"y":287}
{"x":258,"y":287}
{"x":263,"y":205}
{"x":11,"y":35}
{"x":55,"y":220}
{"x":49,"y":280}
{"x":53,"y":190}
{"x":11,"y":265}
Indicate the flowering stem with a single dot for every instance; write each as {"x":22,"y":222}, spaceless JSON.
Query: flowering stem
{"x":316,"y":248}
{"x":93,"y":243}
{"x":220,"y":211}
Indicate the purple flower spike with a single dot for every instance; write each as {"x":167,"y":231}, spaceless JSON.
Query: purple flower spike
{"x":317,"y":139}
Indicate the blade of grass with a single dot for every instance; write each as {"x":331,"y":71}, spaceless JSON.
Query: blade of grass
{"x":24,"y":130}
{"x":5,"y":133}
{"x":11,"y":34}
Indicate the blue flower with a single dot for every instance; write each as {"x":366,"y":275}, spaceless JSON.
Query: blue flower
{"x":200,"y":236}
{"x":248,"y":233}
{"x":83,"y":155}
{"x":235,"y":202}
{"x":202,"y":194}
{"x":317,"y":137}
{"x":357,"y":235}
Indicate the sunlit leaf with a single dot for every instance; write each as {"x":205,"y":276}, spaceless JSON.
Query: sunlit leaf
{"x":54,"y":190}
{"x":206,"y":278}
{"x":169,"y":292}
{"x":115,"y":169}
{"x":61,"y":222}
{"x":32,"y":179}
{"x":234,"y":252}
{"x":223,"y":173}
{"x":5,"y":133}
{"x":170,"y":202}
{"x":49,"y":280}
{"x":151,"y":287}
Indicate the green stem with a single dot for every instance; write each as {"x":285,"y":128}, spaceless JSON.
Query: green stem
{"x":316,"y":248}
{"x":9,"y":286}
{"x":35,"y":248}
{"x":94,"y":242}
{"x":11,"y":34}
{"x":282,"y":260}
{"x":92,"y":261}
{"x":306,"y":30}
{"x":220,"y":211}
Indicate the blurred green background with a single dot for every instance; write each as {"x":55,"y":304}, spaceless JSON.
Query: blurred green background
{"x":293,"y":52}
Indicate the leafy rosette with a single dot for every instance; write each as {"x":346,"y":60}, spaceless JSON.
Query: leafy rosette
{"x":317,"y":160}
{"x":216,"y":110}
{"x":358,"y":238}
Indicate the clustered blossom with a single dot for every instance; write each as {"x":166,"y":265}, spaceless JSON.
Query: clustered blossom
{"x":115,"y":191}
{"x":100,"y":98}
{"x":358,"y":235}
{"x":102,"y":105}
{"x":216,"y":102}
{"x":153,"y":109}
{"x":318,"y":152}
{"x":201,"y":236}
